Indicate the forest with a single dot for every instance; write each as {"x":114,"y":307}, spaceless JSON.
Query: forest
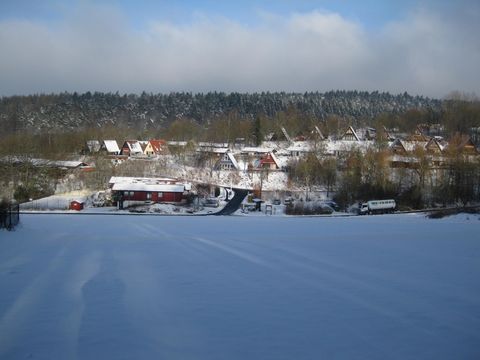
{"x":57,"y":126}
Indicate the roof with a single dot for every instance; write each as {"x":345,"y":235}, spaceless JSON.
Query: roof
{"x":346,"y":145}
{"x":177,"y":143}
{"x":350,"y":131}
{"x":148,"y":187}
{"x":258,"y":150}
{"x":131,"y":179}
{"x":317,"y":130}
{"x":212,"y":150}
{"x":124,"y":183}
{"x":158,"y":145}
{"x":111,"y":146}
{"x":269,"y":158}
{"x":212,"y":145}
{"x":233,"y":160}
{"x":301,"y":146}
{"x":134,"y":146}
{"x":93,"y":145}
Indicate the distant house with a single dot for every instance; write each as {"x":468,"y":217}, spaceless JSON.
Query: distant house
{"x":227,"y":162}
{"x":92,"y":146}
{"x":300,"y":148}
{"x":318,"y":134}
{"x":399,"y":146}
{"x":464,"y":145}
{"x":157,"y":190}
{"x":269,"y":162}
{"x":208,"y":146}
{"x":418,"y":136}
{"x":110,"y":147}
{"x":350,"y":135}
{"x":255,"y":151}
{"x":435,"y":146}
{"x":155,"y":147}
{"x":131,"y":148}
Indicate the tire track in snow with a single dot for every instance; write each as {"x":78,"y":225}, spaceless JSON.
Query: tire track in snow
{"x":82,"y":272}
{"x":250,"y":258}
{"x":16,"y":318}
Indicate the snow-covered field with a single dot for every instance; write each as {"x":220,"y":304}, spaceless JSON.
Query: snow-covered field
{"x":149,"y":287}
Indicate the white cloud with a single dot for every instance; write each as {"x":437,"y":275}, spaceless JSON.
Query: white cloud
{"x":95,"y":48}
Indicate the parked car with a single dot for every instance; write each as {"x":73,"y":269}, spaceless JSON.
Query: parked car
{"x":211,"y":202}
{"x":276,"y":202}
{"x":332,"y":204}
{"x":288,"y":201}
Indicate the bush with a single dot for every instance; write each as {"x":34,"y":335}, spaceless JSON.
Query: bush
{"x":301,"y":208}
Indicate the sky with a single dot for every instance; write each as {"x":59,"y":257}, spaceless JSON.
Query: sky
{"x":428,"y":47}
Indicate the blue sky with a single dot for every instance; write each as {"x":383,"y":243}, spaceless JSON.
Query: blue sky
{"x":424,"y":47}
{"x":371,"y":13}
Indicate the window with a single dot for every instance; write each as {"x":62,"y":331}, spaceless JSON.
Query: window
{"x":131,"y":193}
{"x":149,"y":196}
{"x":160,"y":195}
{"x":125,"y":193}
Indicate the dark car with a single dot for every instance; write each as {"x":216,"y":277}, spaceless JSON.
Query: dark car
{"x":332,"y":204}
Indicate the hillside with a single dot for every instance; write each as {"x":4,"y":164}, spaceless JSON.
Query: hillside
{"x":67,"y":111}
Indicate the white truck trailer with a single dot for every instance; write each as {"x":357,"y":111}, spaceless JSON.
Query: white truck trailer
{"x":378,"y":207}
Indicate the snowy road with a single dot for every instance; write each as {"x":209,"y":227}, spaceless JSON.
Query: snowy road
{"x":141,"y":287}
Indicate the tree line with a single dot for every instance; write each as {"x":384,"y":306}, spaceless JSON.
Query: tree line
{"x":147,"y":111}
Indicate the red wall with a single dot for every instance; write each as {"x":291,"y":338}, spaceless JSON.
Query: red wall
{"x":167,"y":196}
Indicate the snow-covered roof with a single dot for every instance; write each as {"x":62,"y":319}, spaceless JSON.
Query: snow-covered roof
{"x":350,"y":132}
{"x":132,"y":179}
{"x":134,"y":146}
{"x":177,"y":143}
{"x":301,"y":146}
{"x":403,"y":159}
{"x":70,"y":164}
{"x":93,"y":145}
{"x":213,"y":150}
{"x":274,"y":157}
{"x":212,"y":145}
{"x":233,"y":160}
{"x":333,"y":146}
{"x":124,"y":183}
{"x":111,"y":146}
{"x":257,"y":150}
{"x":412,"y":145}
{"x":148,"y":187}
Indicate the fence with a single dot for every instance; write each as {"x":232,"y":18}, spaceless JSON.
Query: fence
{"x":9,"y":216}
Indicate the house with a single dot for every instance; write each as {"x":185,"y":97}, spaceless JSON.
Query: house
{"x":131,"y":148}
{"x":269,"y":162}
{"x":155,"y":147}
{"x":212,"y":145}
{"x":300,"y":148}
{"x":255,"y":151}
{"x":110,"y":147}
{"x":92,"y":146}
{"x":227,"y":162}
{"x":418,"y":136}
{"x":278,"y":136}
{"x":399,"y":146}
{"x":435,"y":146}
{"x":463,"y":144}
{"x":350,"y":135}
{"x":318,"y":134}
{"x":156,"y":190}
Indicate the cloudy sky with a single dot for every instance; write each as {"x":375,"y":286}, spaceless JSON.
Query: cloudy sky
{"x":429,"y":47}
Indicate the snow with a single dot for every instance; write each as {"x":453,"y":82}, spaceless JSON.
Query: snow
{"x":112,"y":146}
{"x":148,"y":287}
